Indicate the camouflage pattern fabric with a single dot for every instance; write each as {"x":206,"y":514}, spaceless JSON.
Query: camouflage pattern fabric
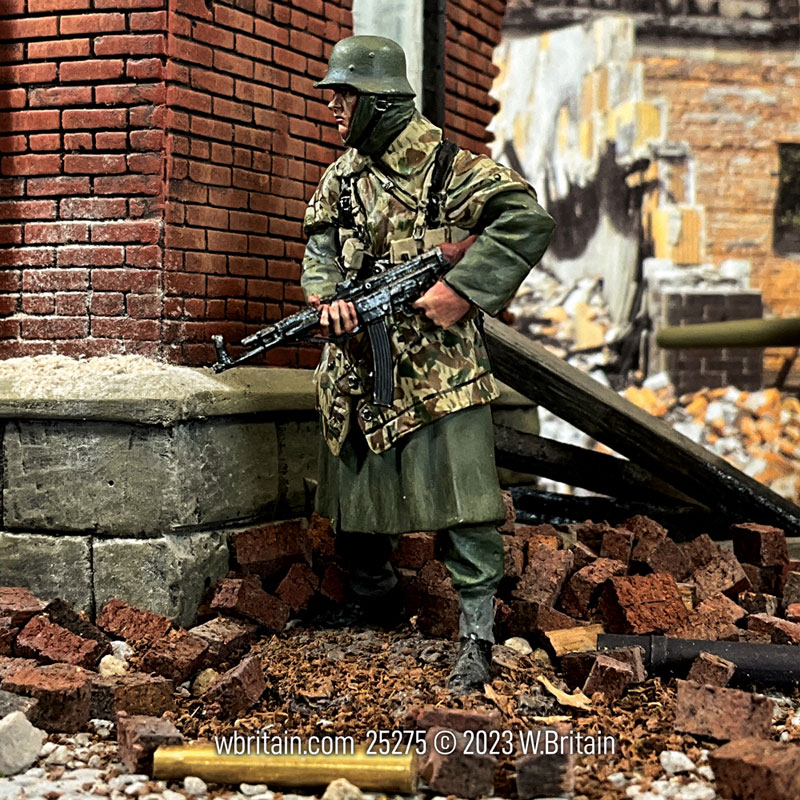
{"x":437,"y":371}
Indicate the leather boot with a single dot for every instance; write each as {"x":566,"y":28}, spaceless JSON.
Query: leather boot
{"x":473,"y":666}
{"x":473,"y":663}
{"x":386,"y":612}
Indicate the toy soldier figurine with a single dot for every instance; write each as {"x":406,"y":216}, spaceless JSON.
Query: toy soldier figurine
{"x":426,"y":461}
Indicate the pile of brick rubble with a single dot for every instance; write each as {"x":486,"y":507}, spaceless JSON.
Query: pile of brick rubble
{"x":136,"y":672}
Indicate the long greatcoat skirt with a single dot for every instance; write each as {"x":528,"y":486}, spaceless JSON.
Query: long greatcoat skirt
{"x":440,"y":476}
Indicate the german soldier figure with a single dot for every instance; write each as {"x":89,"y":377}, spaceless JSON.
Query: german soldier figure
{"x":425,"y":462}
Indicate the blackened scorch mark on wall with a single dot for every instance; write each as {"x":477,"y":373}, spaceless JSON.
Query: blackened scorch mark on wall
{"x":579,"y":212}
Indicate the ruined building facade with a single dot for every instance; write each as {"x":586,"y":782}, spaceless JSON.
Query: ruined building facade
{"x":662,"y":144}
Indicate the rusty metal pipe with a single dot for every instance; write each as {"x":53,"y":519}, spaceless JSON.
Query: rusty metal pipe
{"x":736,"y":333}
{"x":392,"y":773}
{"x":755,"y":663}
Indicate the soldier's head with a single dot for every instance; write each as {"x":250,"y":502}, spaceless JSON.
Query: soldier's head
{"x":368,"y":77}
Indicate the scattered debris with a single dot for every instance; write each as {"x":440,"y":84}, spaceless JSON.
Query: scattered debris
{"x":565,"y":587}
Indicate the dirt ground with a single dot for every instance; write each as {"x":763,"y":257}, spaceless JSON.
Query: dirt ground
{"x":352,"y":681}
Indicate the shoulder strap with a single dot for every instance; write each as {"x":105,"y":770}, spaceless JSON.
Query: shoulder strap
{"x":445,"y":156}
{"x":346,"y":215}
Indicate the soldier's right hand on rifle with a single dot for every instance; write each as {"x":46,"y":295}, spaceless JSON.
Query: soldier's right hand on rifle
{"x":341,"y":314}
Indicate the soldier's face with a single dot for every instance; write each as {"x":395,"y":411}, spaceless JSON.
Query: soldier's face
{"x":342,"y":107}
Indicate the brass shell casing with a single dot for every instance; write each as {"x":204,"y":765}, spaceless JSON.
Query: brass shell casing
{"x":393,"y":773}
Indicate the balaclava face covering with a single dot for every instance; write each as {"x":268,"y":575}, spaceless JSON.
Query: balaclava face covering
{"x":372,"y":131}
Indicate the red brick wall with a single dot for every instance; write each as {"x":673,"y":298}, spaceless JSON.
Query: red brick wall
{"x":81,"y":161}
{"x":732,"y":110}
{"x":473,"y":31}
{"x":156,"y":157}
{"x":249,"y":139}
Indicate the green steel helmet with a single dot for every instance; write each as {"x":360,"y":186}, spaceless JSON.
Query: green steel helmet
{"x":369,"y":65}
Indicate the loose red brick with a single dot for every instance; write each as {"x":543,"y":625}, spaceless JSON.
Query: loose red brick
{"x":244,"y":597}
{"x":723,"y":574}
{"x":546,"y":773}
{"x":608,"y":676}
{"x":591,"y":533}
{"x":453,"y":719}
{"x":660,"y":554}
{"x":225,"y":638}
{"x":19,"y":605}
{"x":642,"y":604}
{"x":711,"y":670}
{"x":431,"y":596}
{"x":270,"y":549}
{"x":617,"y":545}
{"x":511,"y":514}
{"x":62,"y":693}
{"x":332,"y":584}
{"x":414,"y":550}
{"x":780,"y":631}
{"x":8,"y":665}
{"x":582,"y":556}
{"x":583,"y":588}
{"x":544,"y":576}
{"x":132,"y":624}
{"x":713,"y":619}
{"x":139,"y":736}
{"x":8,"y":635}
{"x":766,"y":580}
{"x":50,"y":643}
{"x":757,"y":768}
{"x":721,"y":714}
{"x":700,"y":551}
{"x":793,"y":612}
{"x":461,"y":773}
{"x":761,"y":545}
{"x":513,"y":557}
{"x":298,"y":587}
{"x":237,"y":690}
{"x":791,"y":589}
{"x":134,"y":693}
{"x":177,"y":655}
{"x":96,"y":118}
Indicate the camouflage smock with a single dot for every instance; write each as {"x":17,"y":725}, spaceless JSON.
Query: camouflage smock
{"x":436,"y":371}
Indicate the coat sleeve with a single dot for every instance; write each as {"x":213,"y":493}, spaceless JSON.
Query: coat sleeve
{"x":514,"y":231}
{"x":320,"y":271}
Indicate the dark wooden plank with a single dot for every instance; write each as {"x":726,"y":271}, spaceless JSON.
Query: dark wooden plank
{"x":576,"y":466}
{"x":575,"y":397}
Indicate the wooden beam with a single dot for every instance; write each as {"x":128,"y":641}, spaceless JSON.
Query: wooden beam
{"x":576,"y":466}
{"x":645,"y":440}
{"x":582,"y":639}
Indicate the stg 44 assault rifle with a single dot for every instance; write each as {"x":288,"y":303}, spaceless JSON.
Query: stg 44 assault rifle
{"x":389,"y":290}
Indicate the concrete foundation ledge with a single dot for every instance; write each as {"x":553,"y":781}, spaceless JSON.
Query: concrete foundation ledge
{"x":123,"y":477}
